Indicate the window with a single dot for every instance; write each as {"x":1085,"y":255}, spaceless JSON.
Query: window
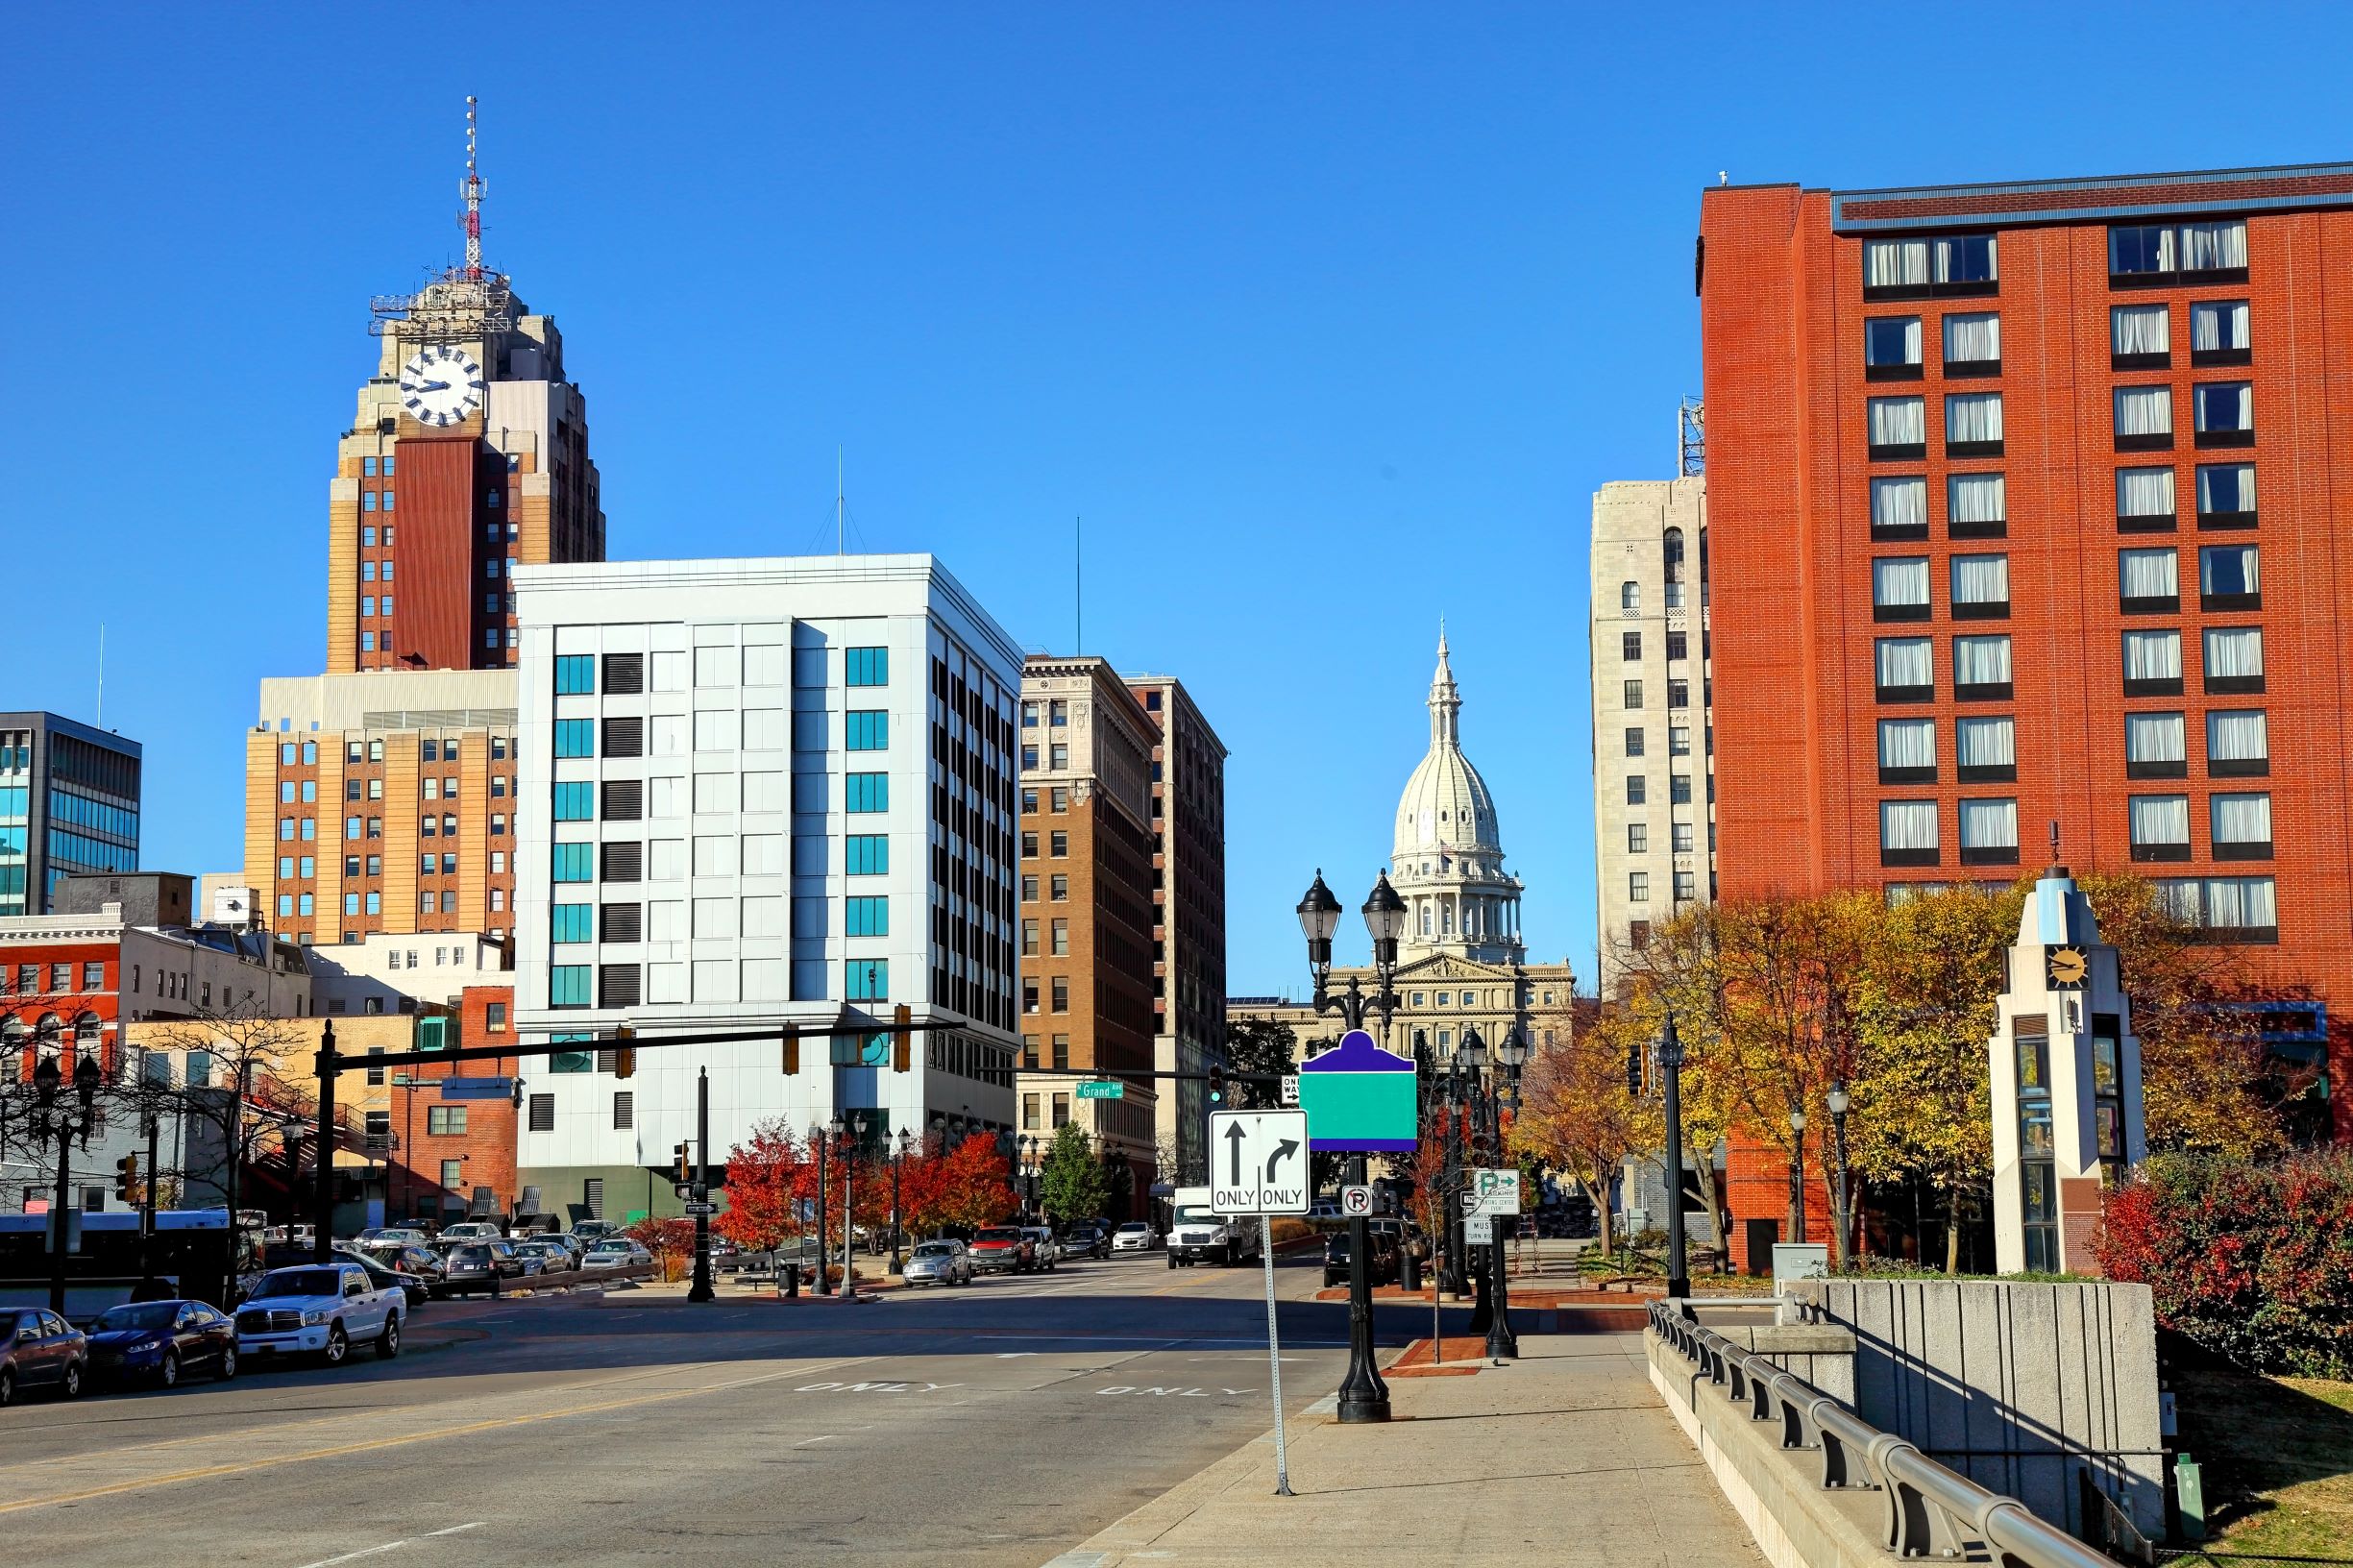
{"x":867,"y":854}
{"x":1895,"y":269}
{"x":1058,"y":844}
{"x":575,"y":801}
{"x":1972,"y":344}
{"x":2243,"y":908}
{"x":1679,"y":645}
{"x":1060,"y":991}
{"x":567,"y":985}
{"x":1638,"y":887}
{"x":2234,"y":659}
{"x":1899,"y":588}
{"x":867,"y":730}
{"x":2238,"y":744}
{"x":2229,"y":578}
{"x":1061,"y":886}
{"x":866,"y":792}
{"x":623,"y":862}
{"x":2154,"y":747}
{"x":1891,"y":349}
{"x":1907,"y":750}
{"x":627,"y":737}
{"x":1899,"y":508}
{"x":2139,"y":337}
{"x":1963,"y":263}
{"x":1630,"y":596}
{"x":2226,"y":496}
{"x":2143,"y":419}
{"x":1897,"y":428}
{"x":624,"y":673}
{"x":571,"y":922}
{"x":2160,"y":827}
{"x":2152,"y":663}
{"x":1678,"y":788}
{"x":1907,"y":833}
{"x":2149,"y":582}
{"x":1679,"y":693}
{"x":1629,"y":644}
{"x":575,"y":674}
{"x":1905,"y":670}
{"x":867,"y":916}
{"x":1060,"y":938}
{"x":625,"y":1110}
{"x":868,"y":980}
{"x":1891,"y":265}
{"x":1637,"y":789}
{"x":1680,"y":838}
{"x":1678,"y":740}
{"x":618,"y":985}
{"x":1637,"y":839}
{"x":2225,"y":413}
{"x":1634,"y":740}
{"x":1980,"y":587}
{"x":866,"y":666}
{"x":575,"y":738}
{"x":1985,"y":750}
{"x":1633,"y":694}
{"x":2242,"y":826}
{"x":1057,"y":799}
{"x":2145,"y":501}
{"x":445,"y":1121}
{"x":2219,"y":334}
{"x":1973,"y":424}
{"x":2142,"y":255}
{"x":1977,"y":506}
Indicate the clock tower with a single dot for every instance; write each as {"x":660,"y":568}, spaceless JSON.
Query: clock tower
{"x":467,"y":456}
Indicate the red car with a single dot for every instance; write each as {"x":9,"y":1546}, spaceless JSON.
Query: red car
{"x":39,"y":1349}
{"x":1003,"y":1249}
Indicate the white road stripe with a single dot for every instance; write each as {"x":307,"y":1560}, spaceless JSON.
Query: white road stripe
{"x":454,"y":1529}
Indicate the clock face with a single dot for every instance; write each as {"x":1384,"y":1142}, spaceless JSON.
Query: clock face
{"x":2068,"y":965}
{"x":441,"y":385}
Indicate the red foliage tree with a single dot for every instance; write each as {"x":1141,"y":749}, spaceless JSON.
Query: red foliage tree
{"x":764,"y":1175}
{"x":671,"y":1241}
{"x":975,"y":1184}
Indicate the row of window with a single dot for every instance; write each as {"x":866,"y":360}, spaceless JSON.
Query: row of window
{"x":1679,"y":693}
{"x":713,"y":794}
{"x":60,"y":979}
{"x":369,"y":501}
{"x":1686,"y":887}
{"x":2238,"y":826}
{"x":1679,"y":741}
{"x":1904,"y":668}
{"x":2139,"y":337}
{"x":2222,"y":414}
{"x":719,"y":730}
{"x":716,"y":667}
{"x":750,"y":854}
{"x":1985,"y":750}
{"x":1679,"y":646}
{"x":1629,"y":596}
{"x":369,"y":466}
{"x":1058,"y":885}
{"x":1977,"y":504}
{"x":1678,"y":788}
{"x":614,"y":985}
{"x":2140,"y":255}
{"x":428,"y":751}
{"x":2148,"y":582}
{"x":1638,"y":839}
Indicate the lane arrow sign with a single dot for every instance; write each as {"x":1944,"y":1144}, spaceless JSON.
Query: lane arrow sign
{"x":1283,"y":1151}
{"x":1234,"y":1145}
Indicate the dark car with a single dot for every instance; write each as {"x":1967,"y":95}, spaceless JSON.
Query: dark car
{"x":1087,"y":1240}
{"x":161,"y":1340}
{"x":1386,"y":1249}
{"x":41,"y":1350}
{"x":419,"y":1260}
{"x":384,"y":1274}
{"x":475,"y":1263}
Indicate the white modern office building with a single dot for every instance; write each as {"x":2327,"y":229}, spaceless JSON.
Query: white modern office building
{"x":776,"y":792}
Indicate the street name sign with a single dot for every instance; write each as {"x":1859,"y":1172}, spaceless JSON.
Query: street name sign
{"x":1102,"y":1088}
{"x":1359,"y":1098}
{"x":1356,"y":1201}
{"x":1259,"y":1161}
{"x":1494,"y":1192}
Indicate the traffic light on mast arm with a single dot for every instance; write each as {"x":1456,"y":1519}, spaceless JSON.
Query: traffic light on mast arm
{"x":127,"y":1179}
{"x":625,"y":1054}
{"x":1217,"y":1087}
{"x":686,"y":1171}
{"x":902,"y":1038}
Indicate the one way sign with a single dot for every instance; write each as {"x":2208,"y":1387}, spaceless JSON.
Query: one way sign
{"x":1259,"y":1161}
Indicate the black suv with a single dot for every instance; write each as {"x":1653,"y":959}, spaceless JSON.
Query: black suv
{"x":1386,"y":1242}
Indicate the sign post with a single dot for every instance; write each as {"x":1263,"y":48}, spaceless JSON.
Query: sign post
{"x":1259,"y":1166}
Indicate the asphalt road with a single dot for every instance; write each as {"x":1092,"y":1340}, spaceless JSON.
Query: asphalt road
{"x":996,"y":1424}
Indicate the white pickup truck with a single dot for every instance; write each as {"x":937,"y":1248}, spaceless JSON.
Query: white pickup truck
{"x":321,"y":1310}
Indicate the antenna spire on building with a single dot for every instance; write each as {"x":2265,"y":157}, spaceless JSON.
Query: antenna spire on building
{"x":473,"y":191}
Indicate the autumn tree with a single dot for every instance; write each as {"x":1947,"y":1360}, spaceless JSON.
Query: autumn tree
{"x":975,"y":1184}
{"x":764,"y":1181}
{"x":1577,"y":1115}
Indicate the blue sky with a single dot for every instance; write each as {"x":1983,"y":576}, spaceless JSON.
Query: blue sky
{"x":1329,"y":319}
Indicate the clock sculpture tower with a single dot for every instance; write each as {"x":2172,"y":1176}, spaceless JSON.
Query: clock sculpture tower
{"x":467,"y":456}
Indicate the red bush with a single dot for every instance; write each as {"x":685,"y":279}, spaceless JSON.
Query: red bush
{"x":2253,"y":1261}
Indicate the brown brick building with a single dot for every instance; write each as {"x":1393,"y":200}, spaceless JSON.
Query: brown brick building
{"x":1086,"y":912}
{"x":2024,"y":509}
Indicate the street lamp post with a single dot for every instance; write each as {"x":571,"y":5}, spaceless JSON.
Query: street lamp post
{"x":64,"y":1122}
{"x":1363,"y":1396}
{"x":852,"y":1136}
{"x":1796,"y":1175}
{"x":701,"y":1290}
{"x":899,"y":1160}
{"x":818,"y":1140}
{"x":1838,"y":1101}
{"x":1470,"y":1062}
{"x":1511,"y":1054}
{"x":1671,"y":1082}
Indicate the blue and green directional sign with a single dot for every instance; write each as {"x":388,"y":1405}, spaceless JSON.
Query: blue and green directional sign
{"x":1359,"y":1098}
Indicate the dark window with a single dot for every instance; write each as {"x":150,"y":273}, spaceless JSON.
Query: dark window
{"x":624,"y":799}
{"x":622,"y":923}
{"x":624,"y":862}
{"x":624,"y":737}
{"x":624,"y":673}
{"x":617,"y":985}
{"x":543,"y":1113}
{"x":625,"y":1110}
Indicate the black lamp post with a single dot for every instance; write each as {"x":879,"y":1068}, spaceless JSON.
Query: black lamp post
{"x":851,"y":1134}
{"x":898,"y":1162}
{"x":1363,"y":1396}
{"x":1671,"y":1082}
{"x":820,"y":1140}
{"x":1511,"y":1054}
{"x":1797,"y":1174}
{"x":1470,"y":1064}
{"x":1838,"y":1101}
{"x":1025,"y":1147}
{"x":64,"y":1122}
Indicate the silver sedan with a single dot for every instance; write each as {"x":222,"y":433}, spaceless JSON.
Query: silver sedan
{"x":939,"y":1262}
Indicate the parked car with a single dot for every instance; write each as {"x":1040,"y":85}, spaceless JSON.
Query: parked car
{"x":1386,"y":1242}
{"x":1136,"y":1235}
{"x":615,"y":1252}
{"x":393,"y":1236}
{"x":406,"y":1258}
{"x":589,"y":1232}
{"x":939,"y":1262}
{"x":386,"y":1276}
{"x":41,"y":1350}
{"x":471,"y":1229}
{"x":1048,"y":1246}
{"x":553,"y":1256}
{"x":1003,"y":1249}
{"x":322,"y":1309}
{"x":471,"y":1262}
{"x":160,"y":1340}
{"x":1087,"y":1240}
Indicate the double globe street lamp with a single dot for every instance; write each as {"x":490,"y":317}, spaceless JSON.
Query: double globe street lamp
{"x":63,"y":1120}
{"x":1363,"y":1396}
{"x":1488,"y":1089}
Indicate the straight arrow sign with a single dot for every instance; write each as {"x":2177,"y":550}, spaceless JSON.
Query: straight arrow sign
{"x":1234,"y":1139}
{"x":1265,"y":1161}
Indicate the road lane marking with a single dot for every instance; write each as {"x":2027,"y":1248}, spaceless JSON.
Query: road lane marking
{"x":806,"y":1441}
{"x":373,"y":1444}
{"x":454,"y":1529}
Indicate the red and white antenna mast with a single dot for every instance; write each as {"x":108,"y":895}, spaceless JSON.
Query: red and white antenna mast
{"x":473,"y":192}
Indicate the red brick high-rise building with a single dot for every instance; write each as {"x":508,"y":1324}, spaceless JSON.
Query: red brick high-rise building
{"x":2025,"y":506}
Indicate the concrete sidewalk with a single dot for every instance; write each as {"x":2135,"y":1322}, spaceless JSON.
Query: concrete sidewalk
{"x":1565,"y":1456}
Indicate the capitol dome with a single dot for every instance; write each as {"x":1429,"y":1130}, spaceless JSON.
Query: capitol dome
{"x":1448,"y":859}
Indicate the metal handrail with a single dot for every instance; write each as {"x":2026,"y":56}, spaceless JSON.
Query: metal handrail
{"x":1931,"y":1511}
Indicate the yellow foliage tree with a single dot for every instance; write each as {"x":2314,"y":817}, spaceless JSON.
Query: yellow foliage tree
{"x":1577,"y":1115}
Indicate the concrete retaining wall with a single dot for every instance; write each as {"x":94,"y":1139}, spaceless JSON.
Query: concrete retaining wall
{"x":2013,"y":1385}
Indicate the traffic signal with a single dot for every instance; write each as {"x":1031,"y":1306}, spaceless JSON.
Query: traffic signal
{"x":902,"y":1038}
{"x":1217,"y":1087}
{"x":685,"y":1165}
{"x":792,"y":1054}
{"x":1633,"y":1070}
{"x":127,"y":1179}
{"x":625,"y":1055}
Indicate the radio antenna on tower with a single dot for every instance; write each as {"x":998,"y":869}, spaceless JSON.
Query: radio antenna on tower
{"x":473,"y":191}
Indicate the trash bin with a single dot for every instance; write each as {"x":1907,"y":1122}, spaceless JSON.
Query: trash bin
{"x":1409,"y":1271}
{"x":792,"y":1282}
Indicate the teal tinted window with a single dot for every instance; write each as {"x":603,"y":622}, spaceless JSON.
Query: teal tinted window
{"x":870,"y":917}
{"x":868,"y":854}
{"x":869,"y":979}
{"x":572,"y":923}
{"x":575,"y":738}
{"x":867,"y":792}
{"x":574,"y":861}
{"x":568,"y":985}
{"x":867,"y":666}
{"x":868,"y":729}
{"x":576,"y":674}
{"x":570,"y":1061}
{"x":575,"y":801}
